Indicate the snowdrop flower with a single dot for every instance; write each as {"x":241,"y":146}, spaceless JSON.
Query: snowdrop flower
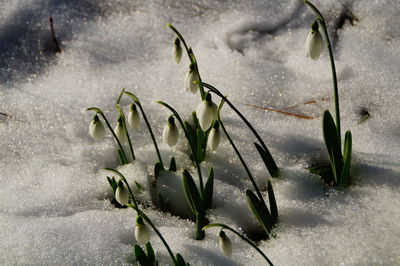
{"x":142,"y":233}
{"x":314,"y":42}
{"x":177,"y":50}
{"x":206,"y":112}
{"x":191,"y":77}
{"x":133,"y":117}
{"x":214,"y":137}
{"x":96,"y":129}
{"x":171,"y":133}
{"x":225,"y":244}
{"x":119,"y":130}
{"x":122,"y":193}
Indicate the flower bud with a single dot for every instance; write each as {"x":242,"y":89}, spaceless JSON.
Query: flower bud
{"x":214,"y":137}
{"x":225,"y":244}
{"x":119,"y":131}
{"x":133,"y":117}
{"x":171,"y":133}
{"x":314,"y":42}
{"x":177,"y":50}
{"x":191,"y":77}
{"x":96,"y":129}
{"x":142,"y":233}
{"x":122,"y":193}
{"x":206,"y":112}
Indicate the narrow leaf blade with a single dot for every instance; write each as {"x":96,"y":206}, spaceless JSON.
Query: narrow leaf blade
{"x":268,"y":161}
{"x":272,"y":202}
{"x":260,"y":211}
{"x":208,"y":189}
{"x":345,"y":179}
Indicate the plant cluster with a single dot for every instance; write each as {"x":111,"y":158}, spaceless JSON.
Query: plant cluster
{"x":202,"y":135}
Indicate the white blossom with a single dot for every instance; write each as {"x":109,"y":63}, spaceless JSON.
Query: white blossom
{"x":119,"y":131}
{"x":170,"y":133}
{"x":206,"y":112}
{"x":142,"y":233}
{"x":133,"y":117}
{"x":122,"y":193}
{"x":314,"y":42}
{"x":214,"y":137}
{"x":96,"y":129}
{"x":191,"y":77}
{"x":177,"y":50}
{"x":225,"y":244}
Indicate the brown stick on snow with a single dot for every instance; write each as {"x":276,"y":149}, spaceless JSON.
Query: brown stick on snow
{"x":53,"y":35}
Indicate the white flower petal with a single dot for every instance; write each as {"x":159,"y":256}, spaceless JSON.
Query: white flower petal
{"x":133,"y":119}
{"x":96,"y":130}
{"x":314,"y":44}
{"x":206,"y":113}
{"x":170,"y":135}
{"x":177,"y":53}
{"x":120,"y":133}
{"x":225,"y":245}
{"x":191,"y":77}
{"x":122,"y":195}
{"x":142,"y":234}
{"x":213,"y":139}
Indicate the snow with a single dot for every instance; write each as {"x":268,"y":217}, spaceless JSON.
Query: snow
{"x":55,"y":199}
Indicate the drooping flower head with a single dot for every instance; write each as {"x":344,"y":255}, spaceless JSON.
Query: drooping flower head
{"x":120,"y":131}
{"x":96,"y":128}
{"x":206,"y":112}
{"x":122,"y":193}
{"x":225,"y":244}
{"x":142,"y":233}
{"x":314,"y":42}
{"x":170,"y":132}
{"x":191,"y":77}
{"x":214,"y":137}
{"x":133,"y":117}
{"x":177,"y":50}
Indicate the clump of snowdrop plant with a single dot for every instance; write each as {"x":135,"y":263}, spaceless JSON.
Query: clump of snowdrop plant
{"x":96,"y":128}
{"x":142,"y":232}
{"x":170,"y":133}
{"x":338,"y":172}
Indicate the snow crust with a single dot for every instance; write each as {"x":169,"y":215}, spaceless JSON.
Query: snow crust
{"x":55,"y":200}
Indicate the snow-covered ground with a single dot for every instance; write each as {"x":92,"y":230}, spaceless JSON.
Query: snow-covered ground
{"x":55,"y":200}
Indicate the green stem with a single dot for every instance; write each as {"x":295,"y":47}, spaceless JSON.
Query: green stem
{"x":141,"y":213}
{"x":334,"y":77}
{"x":190,"y":144}
{"x":239,"y":155}
{"x":273,"y":173}
{"x":192,"y":58}
{"x":126,"y":130}
{"x":223,"y":226}
{"x":136,"y":100}
{"x":99,"y":111}
{"x":120,"y":95}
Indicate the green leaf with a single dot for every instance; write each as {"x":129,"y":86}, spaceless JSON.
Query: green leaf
{"x":192,"y":194}
{"x":140,"y":255}
{"x":260,"y":211}
{"x":268,"y":160}
{"x":272,"y":202}
{"x":151,"y":257}
{"x":180,"y":261}
{"x":172,"y":165}
{"x":199,"y":146}
{"x":324,"y":171}
{"x":332,"y":143}
{"x":122,"y":157}
{"x":113,"y":183}
{"x":157,"y":168}
{"x":345,"y":178}
{"x":208,"y":189}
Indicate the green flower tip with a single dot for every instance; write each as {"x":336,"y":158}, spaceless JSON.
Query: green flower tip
{"x":314,"y":25}
{"x":133,"y":107}
{"x":171,"y":120}
{"x":208,"y":97}
{"x":139,"y":220}
{"x":177,"y":41}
